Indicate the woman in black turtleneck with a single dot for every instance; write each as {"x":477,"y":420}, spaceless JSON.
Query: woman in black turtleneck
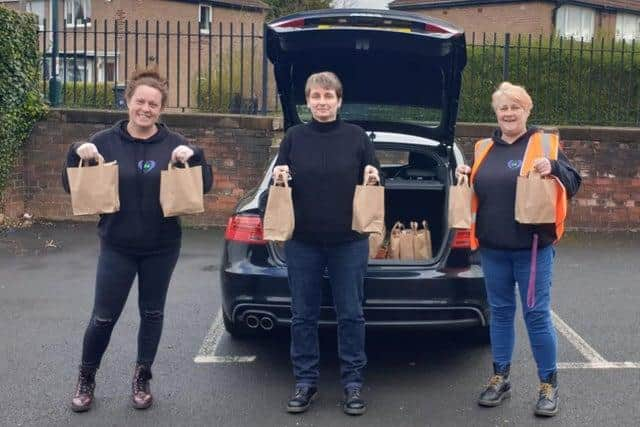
{"x":325,"y":160}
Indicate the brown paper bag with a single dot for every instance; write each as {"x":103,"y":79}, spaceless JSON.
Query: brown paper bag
{"x":279,"y":219}
{"x":535,"y":199}
{"x":94,"y":189}
{"x":407,"y":248}
{"x":376,"y":241}
{"x":394,"y":241}
{"x":460,"y":204}
{"x":368,"y":209}
{"x":181,"y":190}
{"x":422,"y":243}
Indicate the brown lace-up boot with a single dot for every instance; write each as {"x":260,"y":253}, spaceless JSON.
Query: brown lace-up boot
{"x":141,"y":396}
{"x":83,"y":399}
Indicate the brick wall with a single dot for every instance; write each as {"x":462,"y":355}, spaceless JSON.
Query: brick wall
{"x":533,"y":17}
{"x":239,"y":146}
{"x":608,"y":160}
{"x":236,"y":146}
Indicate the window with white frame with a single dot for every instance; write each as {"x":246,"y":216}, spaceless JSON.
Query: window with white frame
{"x":77,"y":12}
{"x":37,"y":8}
{"x":575,"y":21}
{"x":627,"y":26}
{"x":204,"y":18}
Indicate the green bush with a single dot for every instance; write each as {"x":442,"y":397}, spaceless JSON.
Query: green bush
{"x":20,"y":101}
{"x":213,"y":92}
{"x":91,"y":95}
{"x":570,"y":82}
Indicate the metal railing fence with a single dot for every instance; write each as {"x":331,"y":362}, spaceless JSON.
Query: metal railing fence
{"x":224,"y":69}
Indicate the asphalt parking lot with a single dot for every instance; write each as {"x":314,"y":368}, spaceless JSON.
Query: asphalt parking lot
{"x":202,"y":377}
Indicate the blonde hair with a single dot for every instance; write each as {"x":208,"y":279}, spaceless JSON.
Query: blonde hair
{"x":517,"y":94}
{"x":147,"y":77}
{"x":326,"y":80}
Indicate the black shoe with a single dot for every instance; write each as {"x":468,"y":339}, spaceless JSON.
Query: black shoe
{"x":302,"y":398}
{"x":548,"y":400}
{"x":498,"y":388}
{"x":83,"y":398}
{"x":353,"y":402}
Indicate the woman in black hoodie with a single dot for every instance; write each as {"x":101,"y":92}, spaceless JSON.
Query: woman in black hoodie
{"x":514,"y":253}
{"x":138,"y":239}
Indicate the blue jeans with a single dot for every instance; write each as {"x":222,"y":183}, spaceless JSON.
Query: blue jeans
{"x":502,"y":270}
{"x":347,"y":265}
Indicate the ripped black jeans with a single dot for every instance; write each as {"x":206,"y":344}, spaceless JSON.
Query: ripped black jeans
{"x":117,"y":268}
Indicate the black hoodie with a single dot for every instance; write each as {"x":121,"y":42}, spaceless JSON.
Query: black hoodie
{"x":140,"y":222}
{"x":495,"y":186}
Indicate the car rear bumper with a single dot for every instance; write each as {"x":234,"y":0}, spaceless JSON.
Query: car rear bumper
{"x":438,"y":299}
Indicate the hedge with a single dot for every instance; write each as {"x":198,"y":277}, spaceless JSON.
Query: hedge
{"x":20,"y":101}
{"x":570,"y":82}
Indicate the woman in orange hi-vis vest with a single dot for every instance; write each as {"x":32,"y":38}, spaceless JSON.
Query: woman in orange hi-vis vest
{"x":517,"y":253}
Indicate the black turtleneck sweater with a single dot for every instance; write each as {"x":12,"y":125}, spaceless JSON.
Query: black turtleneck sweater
{"x":495,"y":186}
{"x":326,"y":161}
{"x":140,"y":222}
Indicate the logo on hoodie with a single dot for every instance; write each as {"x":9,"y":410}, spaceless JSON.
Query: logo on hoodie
{"x":514,"y":164}
{"x":145,"y":166}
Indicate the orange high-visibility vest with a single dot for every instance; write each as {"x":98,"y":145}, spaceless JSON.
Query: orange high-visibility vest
{"x":539,"y":145}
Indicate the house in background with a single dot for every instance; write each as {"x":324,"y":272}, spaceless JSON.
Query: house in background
{"x":579,"y":19}
{"x":86,"y":54}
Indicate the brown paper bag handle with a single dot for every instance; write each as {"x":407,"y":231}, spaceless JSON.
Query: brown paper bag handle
{"x":100,"y":160}
{"x":173,"y":165}
{"x":534,"y":175}
{"x":398,"y":226}
{"x":463,"y":179}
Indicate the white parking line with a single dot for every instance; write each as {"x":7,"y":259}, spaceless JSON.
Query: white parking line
{"x":595,"y":360}
{"x":600,"y":365}
{"x":207,"y":353}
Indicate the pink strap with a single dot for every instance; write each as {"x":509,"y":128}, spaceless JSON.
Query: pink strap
{"x":531,"y":291}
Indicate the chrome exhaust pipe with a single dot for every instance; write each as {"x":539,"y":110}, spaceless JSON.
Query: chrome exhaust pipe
{"x":266,"y":323}
{"x":252,"y":321}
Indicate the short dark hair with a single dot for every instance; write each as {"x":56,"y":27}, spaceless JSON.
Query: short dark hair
{"x":326,"y":80}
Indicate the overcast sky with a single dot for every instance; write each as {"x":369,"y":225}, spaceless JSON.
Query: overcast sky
{"x":372,"y":4}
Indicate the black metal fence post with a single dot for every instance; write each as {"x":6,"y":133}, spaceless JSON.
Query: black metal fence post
{"x":505,"y":59}
{"x":265,"y":73}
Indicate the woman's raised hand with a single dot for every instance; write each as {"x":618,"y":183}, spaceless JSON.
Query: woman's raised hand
{"x":371,"y":175}
{"x":88,"y":151}
{"x":462,"y":170}
{"x":181,"y":154}
{"x":280,"y":173}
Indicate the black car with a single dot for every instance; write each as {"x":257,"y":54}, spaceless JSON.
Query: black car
{"x":401,"y":75}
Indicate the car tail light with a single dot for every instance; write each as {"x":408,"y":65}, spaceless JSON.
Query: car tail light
{"x":432,"y":28}
{"x":292,"y":23}
{"x":245,"y":229}
{"x":462,"y":239}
